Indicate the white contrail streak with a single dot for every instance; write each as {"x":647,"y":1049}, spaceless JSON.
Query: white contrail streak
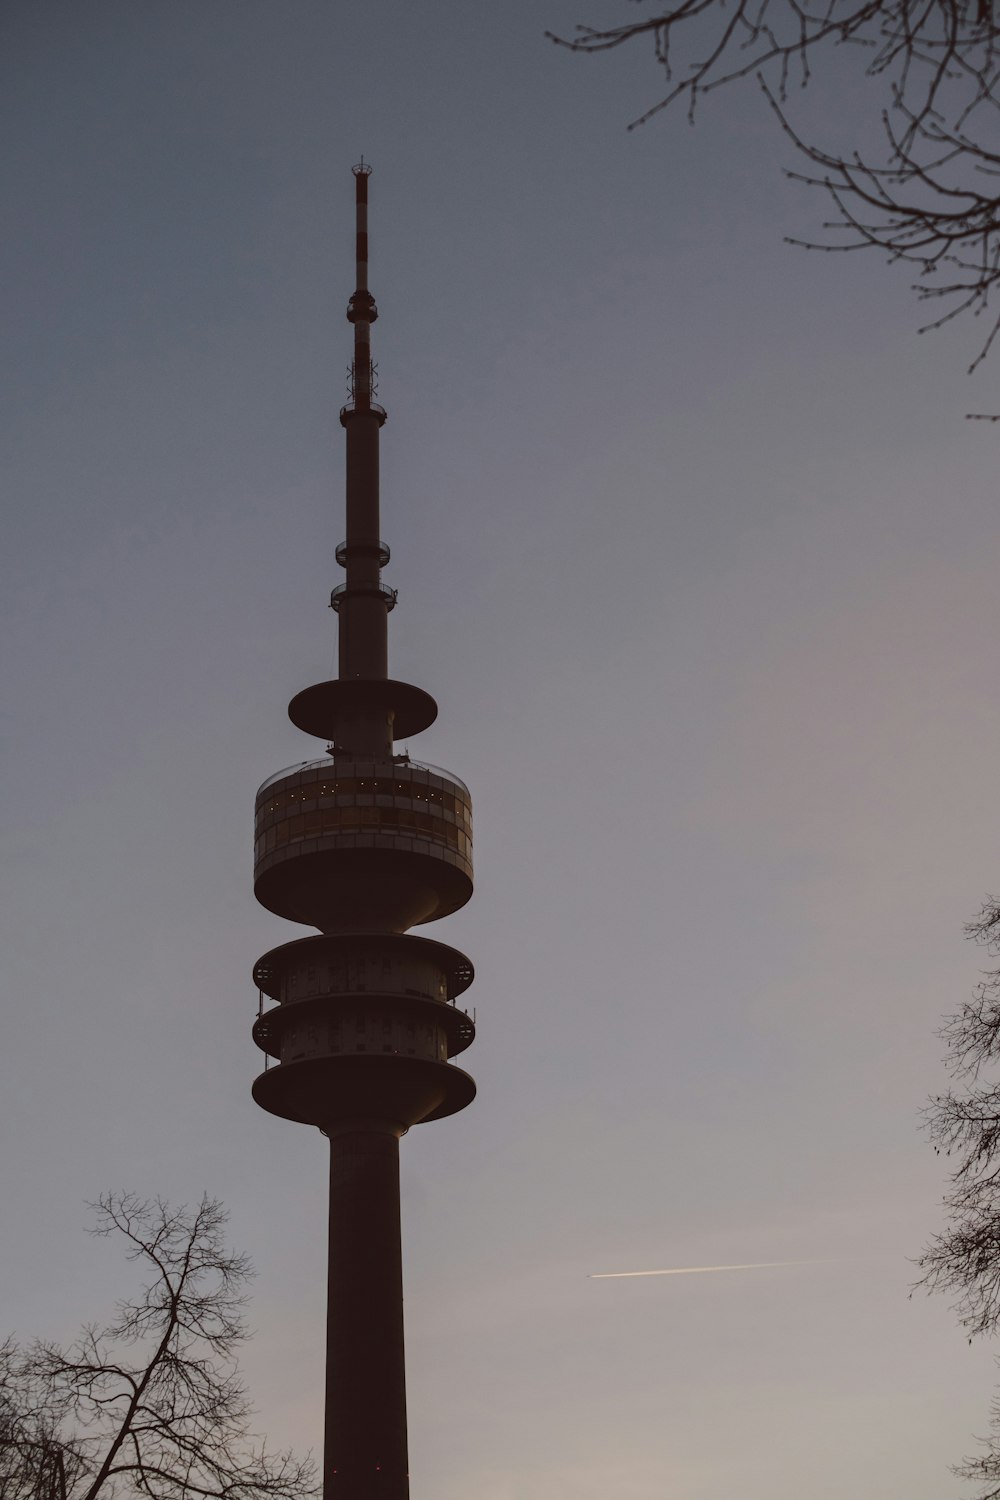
{"x":756,"y":1265}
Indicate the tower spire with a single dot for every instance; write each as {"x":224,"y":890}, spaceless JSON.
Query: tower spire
{"x":364,"y":602}
{"x":361,"y":310}
{"x":364,"y":710}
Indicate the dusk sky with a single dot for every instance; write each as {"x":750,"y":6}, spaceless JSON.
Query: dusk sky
{"x":700,"y":560}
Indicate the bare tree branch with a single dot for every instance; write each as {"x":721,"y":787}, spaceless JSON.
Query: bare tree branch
{"x":930,"y":197}
{"x":913,"y":46}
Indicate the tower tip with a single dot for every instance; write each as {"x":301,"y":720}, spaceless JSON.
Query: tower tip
{"x":362,"y":168}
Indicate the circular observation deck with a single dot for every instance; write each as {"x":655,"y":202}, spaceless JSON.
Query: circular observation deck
{"x":347,"y":844}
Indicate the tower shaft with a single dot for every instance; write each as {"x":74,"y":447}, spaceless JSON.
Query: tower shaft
{"x":363,"y":647}
{"x":365,"y":1443}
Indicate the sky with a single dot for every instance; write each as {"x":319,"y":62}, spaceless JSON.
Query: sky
{"x":698,"y":555}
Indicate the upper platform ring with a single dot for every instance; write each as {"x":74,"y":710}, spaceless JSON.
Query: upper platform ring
{"x":321,"y":709}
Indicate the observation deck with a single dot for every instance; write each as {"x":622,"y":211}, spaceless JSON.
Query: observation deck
{"x":363,"y":845}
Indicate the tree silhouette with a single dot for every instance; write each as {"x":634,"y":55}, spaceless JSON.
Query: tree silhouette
{"x":151,"y":1405}
{"x":963,"y":1261}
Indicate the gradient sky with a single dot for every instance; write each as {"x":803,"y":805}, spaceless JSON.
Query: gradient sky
{"x":699,"y":558}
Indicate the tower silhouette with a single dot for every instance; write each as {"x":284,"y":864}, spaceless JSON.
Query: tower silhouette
{"x":363,"y":844}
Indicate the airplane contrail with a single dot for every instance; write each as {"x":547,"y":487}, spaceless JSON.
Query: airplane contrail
{"x":756,"y":1265}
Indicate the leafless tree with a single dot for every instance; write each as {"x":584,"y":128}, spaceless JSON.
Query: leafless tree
{"x":931,"y":197}
{"x":33,"y":1464}
{"x":963,"y":1261}
{"x":151,"y":1406}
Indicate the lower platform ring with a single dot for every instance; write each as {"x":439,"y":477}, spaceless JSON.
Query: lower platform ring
{"x":270,"y":1025}
{"x":322,"y":1090}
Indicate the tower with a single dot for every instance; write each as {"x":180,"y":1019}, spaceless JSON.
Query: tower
{"x":363,"y":844}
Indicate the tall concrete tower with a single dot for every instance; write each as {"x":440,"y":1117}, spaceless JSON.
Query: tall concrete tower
{"x":363,"y":844}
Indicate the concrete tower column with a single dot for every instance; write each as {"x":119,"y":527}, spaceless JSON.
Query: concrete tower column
{"x":365,"y":1446}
